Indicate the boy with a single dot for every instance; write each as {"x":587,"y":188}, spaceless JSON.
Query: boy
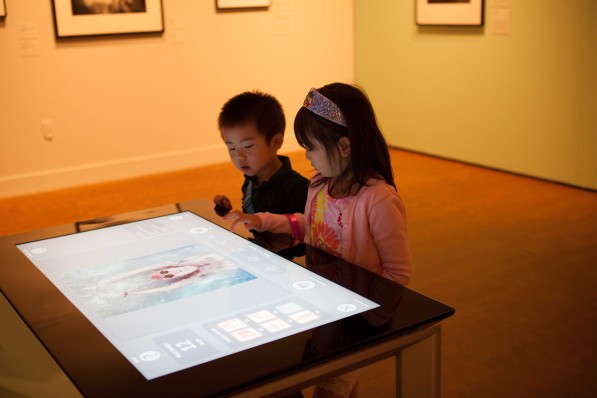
{"x":252,"y":126}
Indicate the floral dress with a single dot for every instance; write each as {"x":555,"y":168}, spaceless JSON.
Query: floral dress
{"x":326,"y":219}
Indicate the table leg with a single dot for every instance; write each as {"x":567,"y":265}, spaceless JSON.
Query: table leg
{"x":418,"y":368}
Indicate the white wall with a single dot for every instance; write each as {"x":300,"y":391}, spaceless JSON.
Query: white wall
{"x":524,"y":102}
{"x":127,"y":106}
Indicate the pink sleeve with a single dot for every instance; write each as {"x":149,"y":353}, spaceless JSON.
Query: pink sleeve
{"x":279,"y":223}
{"x":388,"y":221}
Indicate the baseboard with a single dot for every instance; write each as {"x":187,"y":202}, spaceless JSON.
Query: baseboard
{"x":572,"y":184}
{"x":90,"y":173}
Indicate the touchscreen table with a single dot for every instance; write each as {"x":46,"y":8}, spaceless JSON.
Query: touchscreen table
{"x":176,"y":291}
{"x":168,"y":302}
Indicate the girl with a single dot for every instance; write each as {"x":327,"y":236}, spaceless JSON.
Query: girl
{"x":353,"y":209}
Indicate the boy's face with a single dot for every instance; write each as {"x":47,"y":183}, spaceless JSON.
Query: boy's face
{"x":249,"y":151}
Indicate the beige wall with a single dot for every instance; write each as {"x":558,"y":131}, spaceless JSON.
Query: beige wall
{"x":128,"y":106}
{"x":524,"y":102}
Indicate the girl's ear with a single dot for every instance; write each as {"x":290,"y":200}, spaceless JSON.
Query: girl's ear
{"x":344,"y":146}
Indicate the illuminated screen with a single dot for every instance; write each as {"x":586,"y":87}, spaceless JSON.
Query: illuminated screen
{"x":177,"y":291}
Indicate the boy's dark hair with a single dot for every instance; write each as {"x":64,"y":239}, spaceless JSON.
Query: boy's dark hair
{"x":369,"y":154}
{"x":254,"y":107}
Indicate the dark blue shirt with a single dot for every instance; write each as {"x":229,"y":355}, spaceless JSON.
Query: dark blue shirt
{"x":285,"y":192}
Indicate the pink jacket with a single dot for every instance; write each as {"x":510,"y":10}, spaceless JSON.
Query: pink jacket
{"x":375,"y":237}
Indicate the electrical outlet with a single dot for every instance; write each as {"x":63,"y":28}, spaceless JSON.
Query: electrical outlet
{"x":46,"y":129}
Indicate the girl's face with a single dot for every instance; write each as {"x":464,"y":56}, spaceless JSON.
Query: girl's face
{"x":321,"y":161}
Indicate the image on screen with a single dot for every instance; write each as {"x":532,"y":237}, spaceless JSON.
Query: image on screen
{"x":146,"y":281}
{"x":177,"y":291}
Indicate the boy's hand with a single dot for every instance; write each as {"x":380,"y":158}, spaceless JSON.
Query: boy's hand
{"x":250,"y":221}
{"x":223,"y":205}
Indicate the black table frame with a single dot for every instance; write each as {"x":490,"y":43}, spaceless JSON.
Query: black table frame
{"x":417,"y":352}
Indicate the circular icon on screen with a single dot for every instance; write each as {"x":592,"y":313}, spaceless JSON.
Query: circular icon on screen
{"x":149,"y":356}
{"x":199,"y":230}
{"x":346,"y":307}
{"x":303,"y":285}
{"x":39,"y":250}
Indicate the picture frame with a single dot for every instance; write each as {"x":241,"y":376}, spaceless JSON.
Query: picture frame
{"x":76,"y":18}
{"x":2,"y":9}
{"x":232,"y":4}
{"x":449,"y":12}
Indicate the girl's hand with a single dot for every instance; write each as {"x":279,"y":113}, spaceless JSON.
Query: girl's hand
{"x":250,"y":221}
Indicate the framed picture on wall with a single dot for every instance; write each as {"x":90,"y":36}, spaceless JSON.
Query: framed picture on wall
{"x":449,"y":12}
{"x":75,"y":18}
{"x":225,"y":4}
{"x":2,"y":9}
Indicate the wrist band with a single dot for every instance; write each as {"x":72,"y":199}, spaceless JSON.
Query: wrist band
{"x":294,"y":225}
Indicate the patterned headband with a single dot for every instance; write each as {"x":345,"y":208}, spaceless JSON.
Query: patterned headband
{"x":322,"y":106}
